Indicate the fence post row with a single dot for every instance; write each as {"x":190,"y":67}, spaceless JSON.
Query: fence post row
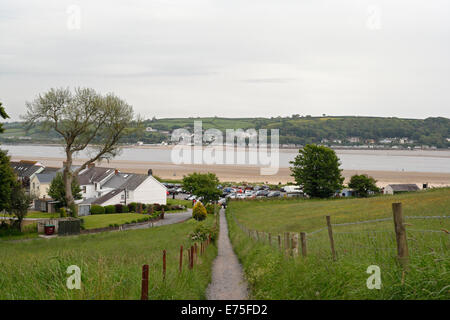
{"x":330,"y":235}
{"x":400,"y":234}
{"x":144,"y":287}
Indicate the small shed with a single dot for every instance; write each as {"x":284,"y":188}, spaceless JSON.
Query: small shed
{"x":400,"y":188}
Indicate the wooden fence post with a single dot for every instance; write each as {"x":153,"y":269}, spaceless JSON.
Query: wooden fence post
{"x":330,"y":234}
{"x":303,"y":240}
{"x":400,"y":234}
{"x":181,"y":258}
{"x":279,"y":242}
{"x":295,"y":244}
{"x":192,"y":257}
{"x":270,"y":239}
{"x":164,"y":264}
{"x":144,"y":288}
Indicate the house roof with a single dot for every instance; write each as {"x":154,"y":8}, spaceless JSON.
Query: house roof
{"x":46,"y":177}
{"x":94,"y":175}
{"x":404,"y":187}
{"x":134,"y":182}
{"x":117,"y":180}
{"x":25,"y":168}
{"x":107,"y":196}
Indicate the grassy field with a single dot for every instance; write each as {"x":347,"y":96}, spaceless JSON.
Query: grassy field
{"x":111,"y":265}
{"x":273,"y":275}
{"x":104,"y":220}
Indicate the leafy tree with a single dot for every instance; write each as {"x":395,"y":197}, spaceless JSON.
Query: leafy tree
{"x":20,"y":202}
{"x":316,"y":168}
{"x":83,"y":118}
{"x":3,"y":115}
{"x":8,"y":181}
{"x":202,"y":185}
{"x":58,"y":192}
{"x":363,"y":184}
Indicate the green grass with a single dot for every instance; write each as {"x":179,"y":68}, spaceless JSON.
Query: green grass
{"x":42,"y":215}
{"x":111,"y":265}
{"x":104,"y":220}
{"x":308,"y":215}
{"x":273,"y":275}
{"x":186,"y":203}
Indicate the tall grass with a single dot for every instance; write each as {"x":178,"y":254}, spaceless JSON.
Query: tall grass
{"x":273,"y":275}
{"x":111,"y":265}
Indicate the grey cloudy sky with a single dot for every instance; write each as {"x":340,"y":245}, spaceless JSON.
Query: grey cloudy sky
{"x":178,"y":58}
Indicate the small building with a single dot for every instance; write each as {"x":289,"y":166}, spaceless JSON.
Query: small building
{"x":346,"y":192}
{"x":40,"y":182}
{"x":400,"y":188}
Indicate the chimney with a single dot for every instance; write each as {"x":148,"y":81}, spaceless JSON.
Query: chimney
{"x":150,"y":172}
{"x":91,"y":165}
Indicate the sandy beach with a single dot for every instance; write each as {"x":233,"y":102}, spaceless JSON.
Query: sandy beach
{"x":248,"y":173}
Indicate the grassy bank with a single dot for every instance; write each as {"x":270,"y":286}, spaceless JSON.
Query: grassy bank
{"x":111,"y":265}
{"x":274,"y":275}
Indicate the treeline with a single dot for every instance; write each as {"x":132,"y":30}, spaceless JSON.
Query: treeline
{"x":293,"y":130}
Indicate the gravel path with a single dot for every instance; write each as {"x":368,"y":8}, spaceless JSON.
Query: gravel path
{"x":227,"y":277}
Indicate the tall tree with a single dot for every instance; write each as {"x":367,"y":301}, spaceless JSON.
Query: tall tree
{"x":58,"y":192}
{"x":84,"y":119}
{"x":202,"y":185}
{"x":8,"y":181}
{"x":316,"y":169}
{"x":20,"y":203}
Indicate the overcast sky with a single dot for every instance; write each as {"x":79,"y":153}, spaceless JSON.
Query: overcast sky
{"x":179,"y":58}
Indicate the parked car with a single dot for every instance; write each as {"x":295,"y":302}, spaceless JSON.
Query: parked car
{"x":240,"y":195}
{"x":274,"y":194}
{"x":231,"y":196}
{"x":292,"y":189}
{"x":262,"y":193}
{"x":248,"y":193}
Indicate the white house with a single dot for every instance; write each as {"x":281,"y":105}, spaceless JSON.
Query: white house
{"x":92,"y":179}
{"x":135,"y":188}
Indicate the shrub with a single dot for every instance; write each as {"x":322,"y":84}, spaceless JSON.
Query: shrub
{"x":62,"y":212}
{"x":125,"y":209}
{"x":157,"y":207}
{"x":110,"y":209}
{"x":165,"y":207}
{"x":119,"y":208}
{"x":199,"y":212}
{"x":201,"y":233}
{"x":96,"y":209}
{"x":150,"y":209}
{"x":132,"y":206}
{"x":210,"y":208}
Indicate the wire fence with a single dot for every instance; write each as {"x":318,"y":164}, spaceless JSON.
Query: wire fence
{"x":377,"y":238}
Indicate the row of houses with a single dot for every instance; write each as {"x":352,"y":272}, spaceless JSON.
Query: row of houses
{"x":99,"y":185}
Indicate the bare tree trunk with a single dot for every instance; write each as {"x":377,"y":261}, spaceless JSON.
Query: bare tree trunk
{"x":68,"y":178}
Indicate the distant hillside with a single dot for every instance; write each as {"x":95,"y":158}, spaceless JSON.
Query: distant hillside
{"x":296,"y":130}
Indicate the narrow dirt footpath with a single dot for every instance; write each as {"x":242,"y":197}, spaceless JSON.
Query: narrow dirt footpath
{"x":227,"y":277}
